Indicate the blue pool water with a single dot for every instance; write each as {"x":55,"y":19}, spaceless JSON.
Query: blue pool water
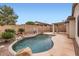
{"x":39,"y":43}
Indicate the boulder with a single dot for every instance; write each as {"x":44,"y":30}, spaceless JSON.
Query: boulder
{"x":24,"y":52}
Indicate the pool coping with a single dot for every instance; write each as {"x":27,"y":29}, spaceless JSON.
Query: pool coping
{"x":20,"y":38}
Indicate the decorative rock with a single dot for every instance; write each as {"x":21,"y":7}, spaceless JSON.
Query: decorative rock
{"x":24,"y":52}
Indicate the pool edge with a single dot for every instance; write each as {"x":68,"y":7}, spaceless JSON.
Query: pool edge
{"x":10,"y":47}
{"x":14,"y":53}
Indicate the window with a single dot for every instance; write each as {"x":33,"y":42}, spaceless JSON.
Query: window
{"x":78,"y":26}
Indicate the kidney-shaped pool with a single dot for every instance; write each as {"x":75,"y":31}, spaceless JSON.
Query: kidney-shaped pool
{"x":39,"y":43}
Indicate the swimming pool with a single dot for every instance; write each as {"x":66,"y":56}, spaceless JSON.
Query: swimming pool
{"x":39,"y":43}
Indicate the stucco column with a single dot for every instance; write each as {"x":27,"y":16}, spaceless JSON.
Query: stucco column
{"x":53,"y":29}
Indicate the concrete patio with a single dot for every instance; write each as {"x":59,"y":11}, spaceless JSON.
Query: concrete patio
{"x":63,"y":46}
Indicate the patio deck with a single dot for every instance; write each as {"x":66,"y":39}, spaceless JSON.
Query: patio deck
{"x":63,"y":46}
{"x":4,"y":50}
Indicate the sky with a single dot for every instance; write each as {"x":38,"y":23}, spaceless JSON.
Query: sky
{"x":42,"y":12}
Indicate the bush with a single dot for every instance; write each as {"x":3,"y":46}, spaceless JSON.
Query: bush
{"x":30,"y":23}
{"x":21,"y":30}
{"x":10,"y":30}
{"x":7,"y":35}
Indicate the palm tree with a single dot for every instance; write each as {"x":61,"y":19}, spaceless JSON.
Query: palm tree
{"x":7,"y":15}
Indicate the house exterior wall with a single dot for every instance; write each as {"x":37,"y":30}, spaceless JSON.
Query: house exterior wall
{"x":71,"y":28}
{"x":76,"y":40}
{"x":76,"y":14}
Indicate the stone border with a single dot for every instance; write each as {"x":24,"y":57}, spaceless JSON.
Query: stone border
{"x":14,"y":53}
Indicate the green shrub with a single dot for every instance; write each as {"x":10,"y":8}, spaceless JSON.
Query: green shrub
{"x":10,"y":30}
{"x":21,"y":30}
{"x":7,"y":35}
{"x":30,"y":23}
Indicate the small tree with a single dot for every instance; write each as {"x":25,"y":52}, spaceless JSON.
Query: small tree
{"x":7,"y":15}
{"x":21,"y":30}
{"x":30,"y":23}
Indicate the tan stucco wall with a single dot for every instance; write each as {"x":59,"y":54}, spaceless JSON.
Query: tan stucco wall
{"x":76,"y":13}
{"x":59,"y":27}
{"x":28,"y":28}
{"x":2,"y":28}
{"x":62,"y":28}
{"x":67,"y":28}
{"x":72,"y":29}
